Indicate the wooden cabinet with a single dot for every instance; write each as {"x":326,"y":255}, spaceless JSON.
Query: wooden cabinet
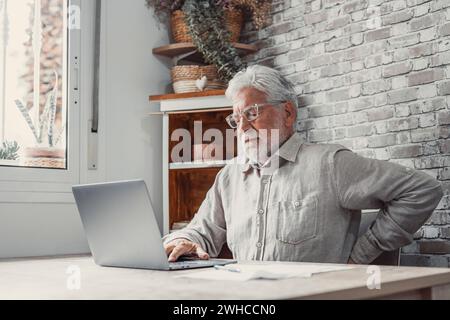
{"x":185,"y":183}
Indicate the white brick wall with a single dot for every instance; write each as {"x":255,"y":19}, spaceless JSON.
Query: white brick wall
{"x":373,"y":75}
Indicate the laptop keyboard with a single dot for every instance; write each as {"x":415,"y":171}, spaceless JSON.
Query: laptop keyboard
{"x":190,"y":262}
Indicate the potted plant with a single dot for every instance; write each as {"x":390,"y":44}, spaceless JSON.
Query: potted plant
{"x":212,"y":26}
{"x":9,"y":153}
{"x":46,"y":152}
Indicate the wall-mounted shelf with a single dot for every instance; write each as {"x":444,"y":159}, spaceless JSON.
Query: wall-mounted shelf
{"x":205,"y":101}
{"x":187,"y":95}
{"x":188,"y":51}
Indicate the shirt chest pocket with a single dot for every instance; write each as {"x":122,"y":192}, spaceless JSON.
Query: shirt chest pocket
{"x":296,"y":220}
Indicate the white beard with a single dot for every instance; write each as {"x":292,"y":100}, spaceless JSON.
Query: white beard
{"x":259,"y":151}
{"x":251,"y":152}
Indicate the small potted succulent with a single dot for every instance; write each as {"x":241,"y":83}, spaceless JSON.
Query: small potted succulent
{"x":46,"y":152}
{"x":9,"y":153}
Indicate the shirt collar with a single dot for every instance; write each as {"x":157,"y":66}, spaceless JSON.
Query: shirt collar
{"x":288,"y":151}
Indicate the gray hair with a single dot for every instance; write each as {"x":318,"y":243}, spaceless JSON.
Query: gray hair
{"x":267,"y":80}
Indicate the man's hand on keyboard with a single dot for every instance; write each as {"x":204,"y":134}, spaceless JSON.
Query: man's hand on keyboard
{"x":180,"y":247}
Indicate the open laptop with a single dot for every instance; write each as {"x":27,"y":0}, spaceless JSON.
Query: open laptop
{"x":121,"y":227}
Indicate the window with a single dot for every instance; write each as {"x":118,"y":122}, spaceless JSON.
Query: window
{"x":33,"y":83}
{"x":31,"y":171}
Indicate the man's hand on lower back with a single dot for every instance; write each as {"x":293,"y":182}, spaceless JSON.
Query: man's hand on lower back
{"x":179,"y":247}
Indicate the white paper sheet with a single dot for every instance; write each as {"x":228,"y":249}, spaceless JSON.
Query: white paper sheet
{"x":272,"y":271}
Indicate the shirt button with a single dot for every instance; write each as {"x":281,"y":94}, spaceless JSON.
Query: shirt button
{"x":260,"y":211}
{"x":259,"y":244}
{"x":297,"y":203}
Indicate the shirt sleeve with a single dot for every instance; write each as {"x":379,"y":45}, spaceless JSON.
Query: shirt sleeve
{"x":208,"y":227}
{"x":406,"y":199}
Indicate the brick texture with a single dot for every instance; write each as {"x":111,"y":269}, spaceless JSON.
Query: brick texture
{"x":373,"y":76}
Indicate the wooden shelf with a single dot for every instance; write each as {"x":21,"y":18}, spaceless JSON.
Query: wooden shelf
{"x":179,"y":49}
{"x":192,"y":102}
{"x":175,"y":96}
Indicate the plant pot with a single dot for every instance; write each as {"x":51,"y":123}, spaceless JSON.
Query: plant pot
{"x":42,"y":157}
{"x":234,"y":20}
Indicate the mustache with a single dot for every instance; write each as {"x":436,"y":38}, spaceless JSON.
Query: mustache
{"x":252,"y":137}
{"x":248,"y":139}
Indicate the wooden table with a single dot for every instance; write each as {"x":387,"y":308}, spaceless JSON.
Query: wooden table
{"x":56,"y":278}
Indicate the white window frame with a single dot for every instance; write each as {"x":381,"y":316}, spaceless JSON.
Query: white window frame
{"x":22,"y":184}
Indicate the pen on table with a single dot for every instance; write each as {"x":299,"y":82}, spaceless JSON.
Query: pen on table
{"x":217,"y":267}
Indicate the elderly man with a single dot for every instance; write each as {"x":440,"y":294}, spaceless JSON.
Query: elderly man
{"x":308,"y":206}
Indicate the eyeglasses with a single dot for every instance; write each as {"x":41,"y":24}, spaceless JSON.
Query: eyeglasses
{"x":250,"y":113}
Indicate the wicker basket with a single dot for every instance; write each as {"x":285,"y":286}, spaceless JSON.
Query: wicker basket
{"x":184,"y":78}
{"x":234,"y":19}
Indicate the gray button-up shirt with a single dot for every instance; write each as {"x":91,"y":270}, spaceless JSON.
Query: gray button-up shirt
{"x":309,"y":209}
